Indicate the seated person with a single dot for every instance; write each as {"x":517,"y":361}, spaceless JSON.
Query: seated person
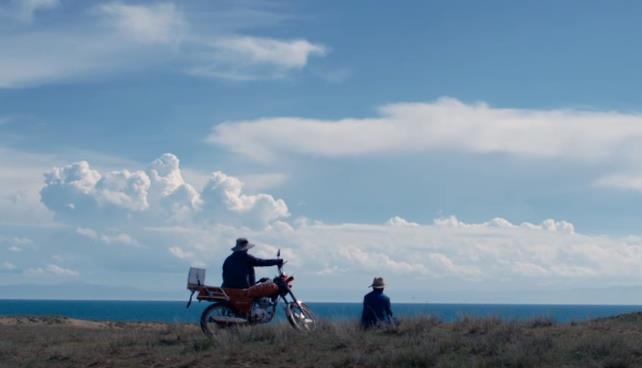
{"x":376,"y":306}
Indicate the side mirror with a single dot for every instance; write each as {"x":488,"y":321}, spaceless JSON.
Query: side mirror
{"x":278,"y":253}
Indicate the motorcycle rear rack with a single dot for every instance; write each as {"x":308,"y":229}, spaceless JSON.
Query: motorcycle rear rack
{"x":208,"y":293}
{"x":212,"y":293}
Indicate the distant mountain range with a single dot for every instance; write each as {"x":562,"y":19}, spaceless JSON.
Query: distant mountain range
{"x":82,"y":291}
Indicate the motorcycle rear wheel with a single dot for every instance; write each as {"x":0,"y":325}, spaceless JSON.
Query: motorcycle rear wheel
{"x":219,"y":315}
{"x":301,"y":317}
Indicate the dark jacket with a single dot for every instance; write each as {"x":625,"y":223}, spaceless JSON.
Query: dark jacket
{"x":376,"y":308}
{"x":238,"y":269}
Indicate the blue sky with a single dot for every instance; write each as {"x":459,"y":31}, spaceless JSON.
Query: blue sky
{"x":449,"y":146}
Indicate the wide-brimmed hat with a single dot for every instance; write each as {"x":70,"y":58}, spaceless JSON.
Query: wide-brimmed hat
{"x":378,"y":283}
{"x":242,"y":244}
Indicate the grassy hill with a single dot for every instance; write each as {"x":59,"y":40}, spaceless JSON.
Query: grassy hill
{"x":427,"y":342}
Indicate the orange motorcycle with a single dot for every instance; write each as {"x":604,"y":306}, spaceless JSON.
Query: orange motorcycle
{"x":256,"y":304}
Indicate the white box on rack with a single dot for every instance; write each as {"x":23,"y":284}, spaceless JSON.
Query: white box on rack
{"x":195,"y":278}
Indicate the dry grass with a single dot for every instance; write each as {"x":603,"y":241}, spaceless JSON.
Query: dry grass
{"x":424,"y":342}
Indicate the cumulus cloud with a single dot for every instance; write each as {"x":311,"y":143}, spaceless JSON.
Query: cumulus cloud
{"x":445,"y":124}
{"x":169,"y":189}
{"x":80,"y":194}
{"x":399,"y":221}
{"x":119,"y":37}
{"x":447,"y":251}
{"x":256,"y":209}
{"x":77,"y":188}
{"x":377,"y":261}
{"x":498,"y":222}
{"x":124,"y":189}
{"x":70,"y":189}
{"x":496,"y":251}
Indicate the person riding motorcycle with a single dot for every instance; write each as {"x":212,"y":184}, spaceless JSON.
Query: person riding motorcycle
{"x":238,"y":268}
{"x":241,"y":301}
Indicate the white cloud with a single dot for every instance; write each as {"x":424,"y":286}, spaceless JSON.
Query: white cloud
{"x":258,"y":50}
{"x":475,"y":252}
{"x":553,"y":225}
{"x":621,"y":181}
{"x":497,"y":254}
{"x":180,"y":253}
{"x":119,"y":37}
{"x":80,"y":194}
{"x":485,"y":253}
{"x":115,"y":238}
{"x":255,"y":209}
{"x":156,"y":23}
{"x":87,"y":233}
{"x":71,"y":189}
{"x":377,"y":261}
{"x":74,"y":189}
{"x":246,"y":57}
{"x":22,"y":173}
{"x":446,"y":124}
{"x":169,"y":190}
{"x":399,"y":221}
{"x":498,"y":222}
{"x":51,"y":270}
{"x":124,"y":189}
{"x":253,"y":182}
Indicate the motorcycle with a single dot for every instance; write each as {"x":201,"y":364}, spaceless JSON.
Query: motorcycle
{"x":254,"y":305}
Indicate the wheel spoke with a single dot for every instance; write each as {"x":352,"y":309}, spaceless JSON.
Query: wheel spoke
{"x":301,"y":318}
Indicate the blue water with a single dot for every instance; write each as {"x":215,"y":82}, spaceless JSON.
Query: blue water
{"x":176,"y":311}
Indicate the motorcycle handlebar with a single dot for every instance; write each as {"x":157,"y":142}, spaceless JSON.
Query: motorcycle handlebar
{"x":280,"y":267}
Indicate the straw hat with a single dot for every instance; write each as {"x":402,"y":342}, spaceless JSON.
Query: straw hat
{"x":241,"y":245}
{"x":378,"y":283}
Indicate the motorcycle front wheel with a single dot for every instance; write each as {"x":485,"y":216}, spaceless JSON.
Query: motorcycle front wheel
{"x":301,"y":317}
{"x":219,"y":315}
